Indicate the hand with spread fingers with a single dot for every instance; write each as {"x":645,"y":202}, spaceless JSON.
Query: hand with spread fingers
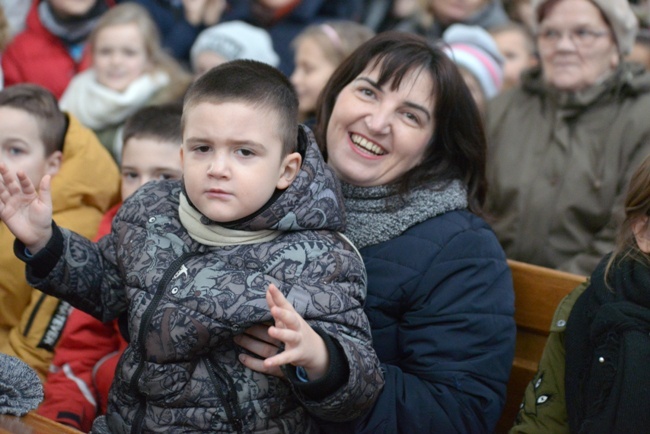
{"x":26,"y":212}
{"x":302,"y":345}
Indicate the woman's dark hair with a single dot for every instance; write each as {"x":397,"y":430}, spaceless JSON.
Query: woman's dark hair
{"x":458,"y":147}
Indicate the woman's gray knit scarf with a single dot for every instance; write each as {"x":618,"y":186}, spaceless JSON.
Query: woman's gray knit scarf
{"x":377,"y":214}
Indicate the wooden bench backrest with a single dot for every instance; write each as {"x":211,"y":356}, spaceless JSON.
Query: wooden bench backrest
{"x":538,"y":291}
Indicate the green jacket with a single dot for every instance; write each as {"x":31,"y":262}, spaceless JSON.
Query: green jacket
{"x":543,"y":409}
{"x":559,"y":164}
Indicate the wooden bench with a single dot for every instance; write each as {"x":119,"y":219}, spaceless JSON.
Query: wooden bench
{"x":538,"y":291}
{"x":32,"y":423}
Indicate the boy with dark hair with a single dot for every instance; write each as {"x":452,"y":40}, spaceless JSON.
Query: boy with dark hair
{"x":250,"y":236}
{"x":77,"y":385}
{"x":37,"y":139}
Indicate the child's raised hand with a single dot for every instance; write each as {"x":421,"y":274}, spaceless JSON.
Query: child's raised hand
{"x":26,"y":212}
{"x":302,"y":345}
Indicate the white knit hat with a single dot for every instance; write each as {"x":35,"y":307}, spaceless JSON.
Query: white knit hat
{"x":621,"y":18}
{"x":235,"y":40}
{"x":474,"y":49}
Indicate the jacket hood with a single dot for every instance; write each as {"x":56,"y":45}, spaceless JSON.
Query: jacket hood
{"x":313,"y":201}
{"x":84,"y":160}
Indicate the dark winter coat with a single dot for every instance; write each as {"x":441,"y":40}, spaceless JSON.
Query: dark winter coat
{"x":559,"y":165}
{"x":441,"y":305}
{"x":185,"y":302}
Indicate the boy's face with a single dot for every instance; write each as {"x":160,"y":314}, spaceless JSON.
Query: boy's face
{"x":514,"y":47}
{"x":148,"y":159}
{"x":21,"y":147}
{"x":232,"y":159}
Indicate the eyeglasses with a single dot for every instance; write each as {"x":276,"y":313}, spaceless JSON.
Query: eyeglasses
{"x":580,"y":37}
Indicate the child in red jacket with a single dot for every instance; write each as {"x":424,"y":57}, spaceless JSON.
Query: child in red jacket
{"x":85,"y":358}
{"x":51,"y":48}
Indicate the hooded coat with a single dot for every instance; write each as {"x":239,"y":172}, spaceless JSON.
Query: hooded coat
{"x":559,"y":165}
{"x":185,"y":302}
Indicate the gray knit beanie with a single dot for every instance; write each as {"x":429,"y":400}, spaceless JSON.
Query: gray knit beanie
{"x":621,"y":18}
{"x":234,"y":40}
{"x":20,"y":388}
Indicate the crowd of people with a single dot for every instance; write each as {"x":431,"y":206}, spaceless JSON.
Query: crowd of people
{"x":337,"y":187}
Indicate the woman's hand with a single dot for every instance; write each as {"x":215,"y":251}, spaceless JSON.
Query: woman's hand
{"x":26,"y":212}
{"x":256,"y":340}
{"x":302,"y":345}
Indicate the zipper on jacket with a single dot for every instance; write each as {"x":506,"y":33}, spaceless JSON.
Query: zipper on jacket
{"x":232,"y":411}
{"x":138,"y":420}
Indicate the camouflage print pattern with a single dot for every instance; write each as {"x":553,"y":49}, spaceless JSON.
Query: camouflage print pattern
{"x":185,"y":302}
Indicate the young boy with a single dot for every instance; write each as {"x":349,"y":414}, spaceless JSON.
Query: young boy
{"x":76,"y":390}
{"x":517,"y":46}
{"x":37,"y":139}
{"x":248,"y":237}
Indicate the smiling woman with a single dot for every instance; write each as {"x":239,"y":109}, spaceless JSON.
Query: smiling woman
{"x":401,"y":130}
{"x":564,"y":144}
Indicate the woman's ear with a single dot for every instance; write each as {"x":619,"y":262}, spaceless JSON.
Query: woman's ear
{"x":53,"y":163}
{"x":289,"y":170}
{"x":642,"y":233}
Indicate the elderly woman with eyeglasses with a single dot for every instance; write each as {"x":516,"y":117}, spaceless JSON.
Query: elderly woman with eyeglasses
{"x":565,"y":142}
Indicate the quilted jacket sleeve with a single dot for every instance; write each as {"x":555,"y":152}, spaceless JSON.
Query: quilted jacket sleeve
{"x":77,"y":270}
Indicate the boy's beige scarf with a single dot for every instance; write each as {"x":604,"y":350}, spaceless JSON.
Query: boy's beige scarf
{"x":216,"y":235}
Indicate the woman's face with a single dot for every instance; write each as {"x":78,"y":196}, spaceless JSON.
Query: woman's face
{"x":376,"y":134}
{"x":119,"y":56}
{"x":454,"y":11}
{"x":576,"y":46}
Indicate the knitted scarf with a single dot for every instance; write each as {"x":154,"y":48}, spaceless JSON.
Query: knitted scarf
{"x":607,"y":352}
{"x":217,"y":235}
{"x":75,"y":29}
{"x":96,"y":106}
{"x":377,"y":214}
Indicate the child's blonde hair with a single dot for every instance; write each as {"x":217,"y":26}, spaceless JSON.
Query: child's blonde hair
{"x":637,"y":206}
{"x":337,"y":39}
{"x":132,"y":13}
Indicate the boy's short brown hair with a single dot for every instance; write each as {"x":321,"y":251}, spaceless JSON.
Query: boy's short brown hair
{"x":43,"y":106}
{"x":254,"y":83}
{"x":158,"y":122}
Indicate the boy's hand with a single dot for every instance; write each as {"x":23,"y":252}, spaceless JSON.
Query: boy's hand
{"x":26,"y":212}
{"x":302,"y":345}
